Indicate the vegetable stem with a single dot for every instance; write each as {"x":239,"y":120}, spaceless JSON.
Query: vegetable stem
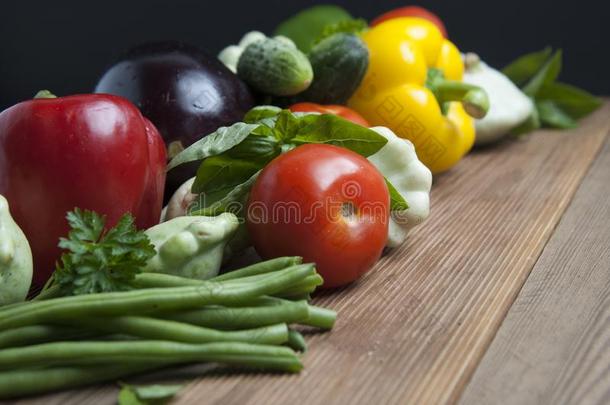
{"x":473,"y":98}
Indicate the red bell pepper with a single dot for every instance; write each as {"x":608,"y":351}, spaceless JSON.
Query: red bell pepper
{"x":91,"y":151}
{"x":340,"y":110}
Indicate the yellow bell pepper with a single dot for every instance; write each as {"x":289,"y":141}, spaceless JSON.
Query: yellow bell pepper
{"x":413,"y":86}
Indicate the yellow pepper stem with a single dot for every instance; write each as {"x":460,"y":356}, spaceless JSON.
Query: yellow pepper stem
{"x":473,"y":98}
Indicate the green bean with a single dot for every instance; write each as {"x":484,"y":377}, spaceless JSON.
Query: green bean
{"x":267,"y":301}
{"x":243,"y":317}
{"x":260,"y":268}
{"x":155,"y":280}
{"x":13,"y":305}
{"x":158,"y":280}
{"x":314,"y":279}
{"x":296,"y":341}
{"x":322,"y":318}
{"x":19,"y":383}
{"x":149,"y":300}
{"x":152,"y":280}
{"x":318,"y":317}
{"x":161,"y":329}
{"x":33,"y":334}
{"x":295,"y":296}
{"x":150,"y":352}
{"x":306,"y":286}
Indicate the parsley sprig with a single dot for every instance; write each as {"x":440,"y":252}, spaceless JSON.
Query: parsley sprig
{"x":100,"y":260}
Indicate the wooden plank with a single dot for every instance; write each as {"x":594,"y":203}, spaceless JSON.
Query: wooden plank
{"x":413,"y":330}
{"x":554,"y":345}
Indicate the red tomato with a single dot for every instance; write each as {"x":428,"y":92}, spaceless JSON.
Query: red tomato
{"x":339,"y":110}
{"x":325,"y":203}
{"x":412,"y":11}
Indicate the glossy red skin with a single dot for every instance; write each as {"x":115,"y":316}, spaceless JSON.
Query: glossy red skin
{"x":412,"y":11}
{"x":94,"y":152}
{"x":339,"y":110}
{"x":152,"y":199}
{"x":317,"y":179}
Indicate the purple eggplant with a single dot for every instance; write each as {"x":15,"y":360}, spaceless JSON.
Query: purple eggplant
{"x":185,"y":92}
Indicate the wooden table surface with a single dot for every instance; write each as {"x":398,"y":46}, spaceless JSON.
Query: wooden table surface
{"x":501,"y":297}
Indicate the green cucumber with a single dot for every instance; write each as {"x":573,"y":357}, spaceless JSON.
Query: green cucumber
{"x":274,"y":66}
{"x":339,"y":63}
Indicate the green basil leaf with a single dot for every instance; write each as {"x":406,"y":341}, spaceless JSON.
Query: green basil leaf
{"x":305,"y":27}
{"x":575,"y":102}
{"x":224,"y":138}
{"x":207,"y":199}
{"x":264,"y":130}
{"x":547,"y":74}
{"x":258,"y":148}
{"x":147,"y":394}
{"x":156,"y":391}
{"x":259,"y":113}
{"x":221,"y":172}
{"x":521,"y":70}
{"x":334,"y":130}
{"x":553,"y":116}
{"x":287,"y":125}
{"x":233,"y":200}
{"x":397,"y":201}
{"x":127,"y":396}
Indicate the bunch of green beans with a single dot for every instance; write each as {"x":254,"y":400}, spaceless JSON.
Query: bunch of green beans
{"x":240,"y":318}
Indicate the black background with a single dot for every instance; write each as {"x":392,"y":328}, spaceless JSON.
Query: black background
{"x":66,"y":45}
